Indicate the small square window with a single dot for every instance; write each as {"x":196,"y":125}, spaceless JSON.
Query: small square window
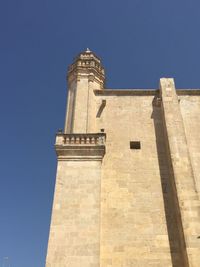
{"x":135,"y":145}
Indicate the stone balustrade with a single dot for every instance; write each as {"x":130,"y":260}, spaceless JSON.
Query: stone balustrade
{"x":88,"y":139}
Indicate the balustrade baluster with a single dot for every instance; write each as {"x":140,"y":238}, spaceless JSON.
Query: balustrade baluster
{"x":67,"y":140}
{"x":77,"y":140}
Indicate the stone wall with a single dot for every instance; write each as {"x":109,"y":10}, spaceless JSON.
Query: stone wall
{"x":74,"y":239}
{"x":125,"y":211}
{"x":121,"y":205}
{"x":133,"y":222}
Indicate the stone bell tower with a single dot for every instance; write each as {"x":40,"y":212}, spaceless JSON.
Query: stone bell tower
{"x":84,"y":75}
{"x":74,"y":238}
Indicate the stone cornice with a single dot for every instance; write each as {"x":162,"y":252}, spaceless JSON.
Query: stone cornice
{"x":188,"y":91}
{"x":126,"y":92}
{"x":142,"y":92}
{"x":80,"y":146}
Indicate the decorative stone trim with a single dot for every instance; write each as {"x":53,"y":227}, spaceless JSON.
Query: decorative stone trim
{"x":80,"y":146}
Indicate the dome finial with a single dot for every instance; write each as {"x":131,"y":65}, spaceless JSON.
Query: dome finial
{"x":88,"y":50}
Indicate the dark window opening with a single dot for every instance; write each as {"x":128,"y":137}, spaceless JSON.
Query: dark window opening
{"x":135,"y":145}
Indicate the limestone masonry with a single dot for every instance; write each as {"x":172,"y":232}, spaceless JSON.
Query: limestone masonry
{"x":128,"y":175}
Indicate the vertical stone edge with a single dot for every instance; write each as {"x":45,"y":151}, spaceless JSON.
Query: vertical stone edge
{"x":185,"y":193}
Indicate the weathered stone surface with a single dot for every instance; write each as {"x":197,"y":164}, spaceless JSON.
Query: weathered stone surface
{"x":121,"y":207}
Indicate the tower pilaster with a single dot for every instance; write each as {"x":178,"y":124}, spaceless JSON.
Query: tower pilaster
{"x":185,"y":193}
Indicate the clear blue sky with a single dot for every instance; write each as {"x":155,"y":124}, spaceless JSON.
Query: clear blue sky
{"x":139,"y":41}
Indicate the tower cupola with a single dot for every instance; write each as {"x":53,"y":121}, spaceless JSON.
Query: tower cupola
{"x":87,"y":63}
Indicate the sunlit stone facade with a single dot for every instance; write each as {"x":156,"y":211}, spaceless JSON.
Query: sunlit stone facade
{"x":128,"y":175}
